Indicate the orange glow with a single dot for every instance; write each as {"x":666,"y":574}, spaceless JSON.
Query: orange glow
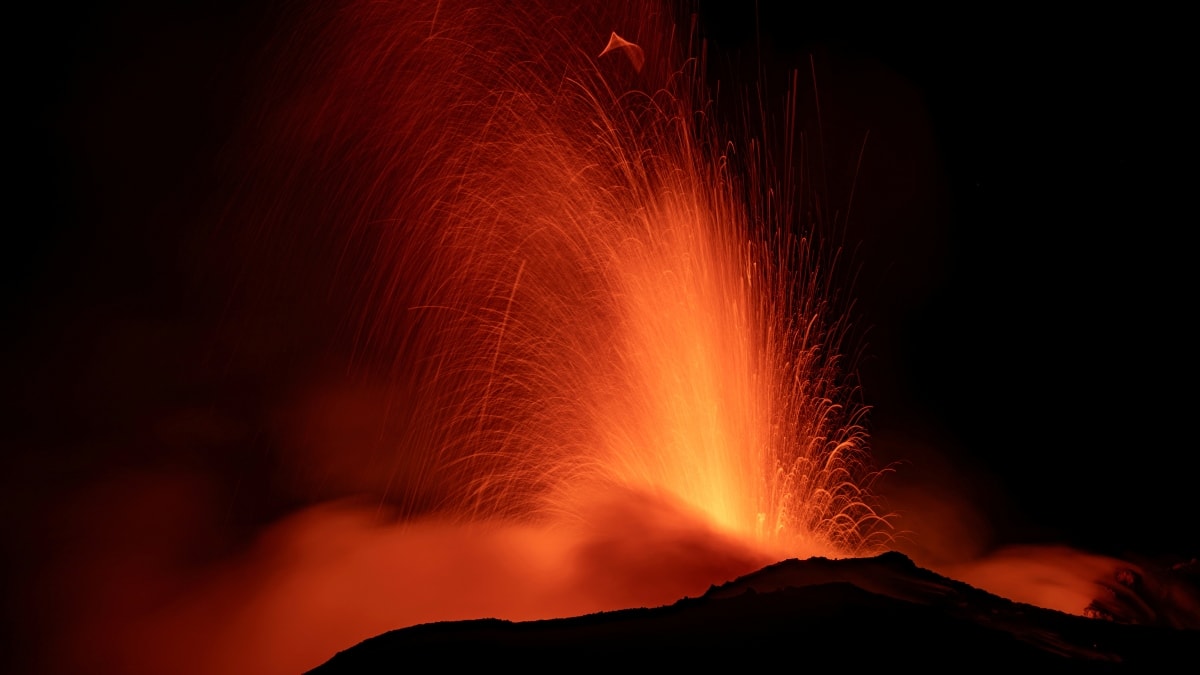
{"x":601,"y":351}
{"x":636,"y":56}
{"x":1054,"y":577}
{"x":577,"y":284}
{"x":329,"y":577}
{"x":600,"y":356}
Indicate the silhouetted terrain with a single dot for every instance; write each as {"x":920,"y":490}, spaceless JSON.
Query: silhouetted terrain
{"x":882,"y":611}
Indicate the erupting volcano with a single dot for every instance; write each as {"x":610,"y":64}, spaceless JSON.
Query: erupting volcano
{"x":489,"y":310}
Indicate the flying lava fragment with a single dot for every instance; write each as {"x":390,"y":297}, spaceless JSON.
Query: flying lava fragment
{"x":617,"y":43}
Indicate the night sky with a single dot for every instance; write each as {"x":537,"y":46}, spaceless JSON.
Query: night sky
{"x":1020,"y":225}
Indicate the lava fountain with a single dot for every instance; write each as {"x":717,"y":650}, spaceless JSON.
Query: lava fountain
{"x":606,"y":338}
{"x":582,"y":287}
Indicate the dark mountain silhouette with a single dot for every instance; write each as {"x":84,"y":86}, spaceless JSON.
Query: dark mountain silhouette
{"x":882,"y":612}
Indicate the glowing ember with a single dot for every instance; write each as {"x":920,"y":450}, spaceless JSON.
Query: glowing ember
{"x":616,"y":43}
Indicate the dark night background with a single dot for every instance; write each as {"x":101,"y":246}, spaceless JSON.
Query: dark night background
{"x":1022,"y":218}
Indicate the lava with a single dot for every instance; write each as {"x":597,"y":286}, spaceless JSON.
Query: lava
{"x":573,"y":281}
{"x":575,"y":348}
{"x":552,"y":341}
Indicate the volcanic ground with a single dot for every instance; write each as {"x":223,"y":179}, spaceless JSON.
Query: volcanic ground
{"x":881,"y":611}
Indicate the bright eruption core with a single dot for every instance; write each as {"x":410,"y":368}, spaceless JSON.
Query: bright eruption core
{"x":593,"y":350}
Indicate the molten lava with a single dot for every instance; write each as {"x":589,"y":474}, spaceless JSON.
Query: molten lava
{"x":575,"y":283}
{"x":590,"y":352}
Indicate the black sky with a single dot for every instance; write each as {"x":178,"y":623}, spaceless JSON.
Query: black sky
{"x":1022,"y":221}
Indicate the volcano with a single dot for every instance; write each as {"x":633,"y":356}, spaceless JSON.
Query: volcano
{"x":880,"y":612}
{"x":326,"y":319}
